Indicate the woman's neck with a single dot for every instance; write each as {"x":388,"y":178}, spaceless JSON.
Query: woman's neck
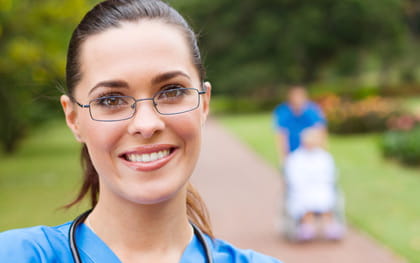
{"x":153,"y":233}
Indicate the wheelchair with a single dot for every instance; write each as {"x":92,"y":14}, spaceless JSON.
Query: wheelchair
{"x":289,"y":224}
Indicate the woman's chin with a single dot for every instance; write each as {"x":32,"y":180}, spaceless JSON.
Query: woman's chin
{"x":154,"y":196}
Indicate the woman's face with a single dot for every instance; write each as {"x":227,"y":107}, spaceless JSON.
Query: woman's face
{"x":149,"y":158}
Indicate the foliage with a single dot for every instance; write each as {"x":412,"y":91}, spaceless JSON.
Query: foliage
{"x":402,"y":141}
{"x":345,"y":90}
{"x":240,"y":105}
{"x":33,"y":40}
{"x":403,"y":146}
{"x":252,"y":44}
{"x":363,"y":174}
{"x":367,"y":115}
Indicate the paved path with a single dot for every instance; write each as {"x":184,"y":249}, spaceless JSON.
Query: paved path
{"x":243,"y":195}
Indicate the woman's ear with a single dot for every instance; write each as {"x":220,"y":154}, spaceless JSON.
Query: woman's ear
{"x":206,"y":100}
{"x":71,"y":116}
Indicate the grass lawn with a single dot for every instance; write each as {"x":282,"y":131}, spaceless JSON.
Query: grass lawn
{"x":381,"y":196}
{"x":40,"y":178}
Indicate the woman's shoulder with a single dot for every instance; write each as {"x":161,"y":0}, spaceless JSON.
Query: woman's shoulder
{"x":225,"y":252}
{"x":34,"y":244}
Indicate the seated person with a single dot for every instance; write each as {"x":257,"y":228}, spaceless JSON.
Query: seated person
{"x":310,"y":176}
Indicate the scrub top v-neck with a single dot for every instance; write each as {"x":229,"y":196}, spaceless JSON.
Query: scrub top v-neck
{"x":93,"y":249}
{"x":44,"y":244}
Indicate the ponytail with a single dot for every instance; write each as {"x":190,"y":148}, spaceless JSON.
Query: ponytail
{"x":90,"y":180}
{"x":197,"y":211}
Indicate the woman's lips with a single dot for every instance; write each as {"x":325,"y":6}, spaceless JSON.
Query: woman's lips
{"x":148,"y":158}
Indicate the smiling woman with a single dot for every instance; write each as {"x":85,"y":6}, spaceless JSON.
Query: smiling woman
{"x":137,"y":102}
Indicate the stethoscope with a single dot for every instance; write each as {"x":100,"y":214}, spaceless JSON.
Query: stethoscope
{"x":75,"y":252}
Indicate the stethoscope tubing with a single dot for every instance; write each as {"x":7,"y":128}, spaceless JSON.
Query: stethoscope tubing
{"x":75,"y":251}
{"x":72,"y":236}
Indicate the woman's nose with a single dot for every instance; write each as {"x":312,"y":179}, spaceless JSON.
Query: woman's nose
{"x":146,"y":120}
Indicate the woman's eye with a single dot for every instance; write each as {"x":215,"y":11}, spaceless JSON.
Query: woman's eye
{"x":111,"y":101}
{"x":172,"y":93}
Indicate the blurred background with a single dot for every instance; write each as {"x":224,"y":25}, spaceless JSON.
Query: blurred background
{"x":359,"y":59}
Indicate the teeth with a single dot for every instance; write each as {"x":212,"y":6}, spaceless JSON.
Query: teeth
{"x":147,"y":157}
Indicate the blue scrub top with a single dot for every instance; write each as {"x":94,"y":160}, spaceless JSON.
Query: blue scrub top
{"x":292,"y":124}
{"x":43,"y":244}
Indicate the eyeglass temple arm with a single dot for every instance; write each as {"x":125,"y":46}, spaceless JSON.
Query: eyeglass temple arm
{"x":80,"y":105}
{"x":83,"y":105}
{"x":204,"y":91}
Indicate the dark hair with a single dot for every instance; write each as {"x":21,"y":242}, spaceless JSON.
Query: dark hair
{"x":110,"y":14}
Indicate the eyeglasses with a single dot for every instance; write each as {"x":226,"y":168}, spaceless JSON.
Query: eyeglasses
{"x":166,"y":102}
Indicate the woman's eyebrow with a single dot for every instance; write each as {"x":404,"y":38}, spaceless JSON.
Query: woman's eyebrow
{"x":156,"y":80}
{"x":110,"y":84}
{"x":167,"y":76}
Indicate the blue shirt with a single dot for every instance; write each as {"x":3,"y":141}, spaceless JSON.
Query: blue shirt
{"x":292,"y":124}
{"x":43,"y":244}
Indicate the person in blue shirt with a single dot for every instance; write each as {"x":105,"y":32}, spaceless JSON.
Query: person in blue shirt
{"x":291,"y":119}
{"x":137,"y":101}
{"x":294,"y":116}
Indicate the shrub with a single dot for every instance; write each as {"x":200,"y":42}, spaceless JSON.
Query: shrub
{"x":402,"y":145}
{"x":403,"y":122}
{"x":402,"y":141}
{"x":368,"y":115}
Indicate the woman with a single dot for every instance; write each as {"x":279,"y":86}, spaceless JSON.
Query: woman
{"x":137,"y":102}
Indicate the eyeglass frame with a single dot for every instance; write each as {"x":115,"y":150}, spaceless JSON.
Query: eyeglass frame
{"x":134,"y":105}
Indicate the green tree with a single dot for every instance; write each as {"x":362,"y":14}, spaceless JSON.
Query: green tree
{"x":33,"y":40}
{"x":249,"y":45}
